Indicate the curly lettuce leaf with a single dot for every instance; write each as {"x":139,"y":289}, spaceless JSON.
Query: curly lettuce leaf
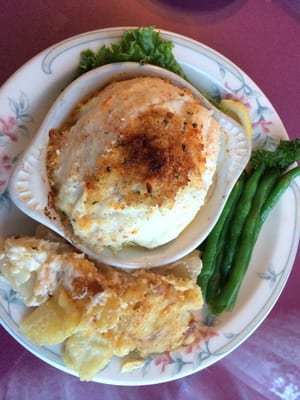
{"x":143,"y":45}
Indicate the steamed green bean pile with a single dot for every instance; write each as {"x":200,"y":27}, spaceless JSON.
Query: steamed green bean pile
{"x":227,"y":251}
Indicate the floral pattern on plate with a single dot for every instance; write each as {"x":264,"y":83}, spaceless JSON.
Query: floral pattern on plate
{"x":13,"y":129}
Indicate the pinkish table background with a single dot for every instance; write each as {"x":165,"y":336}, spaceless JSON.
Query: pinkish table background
{"x":262,"y":37}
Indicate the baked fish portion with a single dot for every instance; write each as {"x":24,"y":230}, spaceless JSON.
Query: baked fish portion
{"x":138,"y":154}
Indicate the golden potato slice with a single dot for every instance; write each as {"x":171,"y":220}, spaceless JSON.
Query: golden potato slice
{"x":53,"y":321}
{"x":102,"y":312}
{"x":87,"y":354}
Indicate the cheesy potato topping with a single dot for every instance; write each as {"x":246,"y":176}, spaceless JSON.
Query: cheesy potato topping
{"x":139,"y":154}
{"x":101,"y":312}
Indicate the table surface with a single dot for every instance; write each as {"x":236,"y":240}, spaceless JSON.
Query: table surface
{"x":262,"y":37}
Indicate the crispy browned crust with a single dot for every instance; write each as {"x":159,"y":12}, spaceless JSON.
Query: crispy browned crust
{"x":55,"y":146}
{"x":159,"y":151}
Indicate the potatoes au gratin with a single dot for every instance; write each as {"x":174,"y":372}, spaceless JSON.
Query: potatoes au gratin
{"x":98,"y":312}
{"x":139,"y":154}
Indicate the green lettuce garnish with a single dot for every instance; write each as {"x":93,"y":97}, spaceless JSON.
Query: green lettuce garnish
{"x":143,"y":45}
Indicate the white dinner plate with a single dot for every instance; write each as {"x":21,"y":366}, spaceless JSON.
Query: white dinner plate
{"x":25,"y":100}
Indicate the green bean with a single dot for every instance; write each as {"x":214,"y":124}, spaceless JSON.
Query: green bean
{"x":229,"y":250}
{"x":216,"y":279}
{"x":283,"y":183}
{"x":212,"y":242}
{"x":241,"y":212}
{"x":228,"y":292}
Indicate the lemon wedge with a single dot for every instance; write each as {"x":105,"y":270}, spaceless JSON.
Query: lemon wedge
{"x":239,"y":112}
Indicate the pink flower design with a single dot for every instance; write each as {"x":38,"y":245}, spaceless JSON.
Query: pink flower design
{"x":235,"y":95}
{"x":163,"y":361}
{"x":263,"y":124}
{"x":191,"y":348}
{"x":8,"y":128}
{"x":5,"y":169}
{"x":241,"y":98}
{"x":205,"y":333}
{"x":5,"y":162}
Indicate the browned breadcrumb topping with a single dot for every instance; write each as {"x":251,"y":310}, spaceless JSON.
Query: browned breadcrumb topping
{"x":159,"y":152}
{"x":55,"y":143}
